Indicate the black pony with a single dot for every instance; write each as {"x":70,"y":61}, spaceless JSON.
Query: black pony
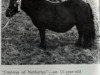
{"x":59,"y":17}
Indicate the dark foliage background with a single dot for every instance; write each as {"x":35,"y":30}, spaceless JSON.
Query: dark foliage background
{"x":20,"y":43}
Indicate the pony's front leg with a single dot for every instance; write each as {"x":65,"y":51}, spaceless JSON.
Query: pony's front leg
{"x":42,"y":37}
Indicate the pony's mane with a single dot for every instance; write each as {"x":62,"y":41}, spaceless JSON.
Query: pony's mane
{"x":75,"y":0}
{"x":67,"y":0}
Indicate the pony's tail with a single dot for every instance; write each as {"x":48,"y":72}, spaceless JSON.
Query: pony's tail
{"x":92,"y":22}
{"x":90,"y":35}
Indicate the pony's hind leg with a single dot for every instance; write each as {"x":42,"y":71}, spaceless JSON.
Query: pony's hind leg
{"x":42,"y":37}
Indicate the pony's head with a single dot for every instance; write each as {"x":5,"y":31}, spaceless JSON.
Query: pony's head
{"x":12,"y":9}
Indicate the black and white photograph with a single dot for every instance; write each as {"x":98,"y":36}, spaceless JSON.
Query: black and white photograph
{"x":50,"y":32}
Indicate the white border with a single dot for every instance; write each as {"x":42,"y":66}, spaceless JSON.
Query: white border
{"x":0,"y":29}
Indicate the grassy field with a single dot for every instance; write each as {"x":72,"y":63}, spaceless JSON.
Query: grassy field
{"x":20,"y":42}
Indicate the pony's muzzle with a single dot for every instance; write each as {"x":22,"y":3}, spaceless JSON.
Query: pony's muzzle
{"x":11,"y":12}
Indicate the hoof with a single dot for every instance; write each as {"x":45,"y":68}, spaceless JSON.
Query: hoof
{"x":78,"y":44}
{"x":47,"y":53}
{"x":42,"y":46}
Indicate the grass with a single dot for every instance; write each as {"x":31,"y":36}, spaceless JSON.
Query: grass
{"x":20,"y":42}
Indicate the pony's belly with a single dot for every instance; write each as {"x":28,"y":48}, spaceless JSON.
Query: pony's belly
{"x":59,"y":28}
{"x":61,"y":25}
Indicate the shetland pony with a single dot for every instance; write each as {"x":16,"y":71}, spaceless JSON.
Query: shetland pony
{"x":58,"y":17}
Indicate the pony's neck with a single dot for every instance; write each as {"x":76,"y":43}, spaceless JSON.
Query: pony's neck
{"x":35,"y":3}
{"x":39,"y":0}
